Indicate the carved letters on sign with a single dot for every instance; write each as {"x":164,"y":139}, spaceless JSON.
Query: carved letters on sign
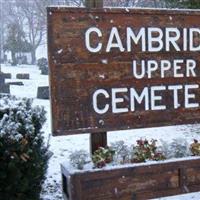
{"x":153,"y":39}
{"x":114,"y":69}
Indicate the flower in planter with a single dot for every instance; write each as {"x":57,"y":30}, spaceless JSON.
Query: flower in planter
{"x":102,"y":156}
{"x":145,"y":150}
{"x":79,"y":158}
{"x":158,"y":156}
{"x":122,"y":152}
{"x":195,"y":148}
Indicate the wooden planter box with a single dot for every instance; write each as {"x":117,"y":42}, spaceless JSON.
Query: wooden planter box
{"x":139,"y":181}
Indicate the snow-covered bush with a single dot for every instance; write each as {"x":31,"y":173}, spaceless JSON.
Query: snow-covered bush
{"x":122,"y":152}
{"x":42,"y":62}
{"x":43,"y":65}
{"x":79,"y":158}
{"x":178,"y":148}
{"x":23,"y":155}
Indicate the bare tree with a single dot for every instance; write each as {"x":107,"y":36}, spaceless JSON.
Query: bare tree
{"x":27,"y":15}
{"x":1,"y":32}
{"x":4,"y":21}
{"x":34,"y":24}
{"x":31,"y":15}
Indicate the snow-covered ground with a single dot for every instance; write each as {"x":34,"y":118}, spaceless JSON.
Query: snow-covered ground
{"x":62,"y":146}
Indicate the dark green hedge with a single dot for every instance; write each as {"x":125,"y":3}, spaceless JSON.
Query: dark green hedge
{"x":23,"y":156}
{"x":191,"y":4}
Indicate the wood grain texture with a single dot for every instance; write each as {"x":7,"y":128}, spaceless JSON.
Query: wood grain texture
{"x":75,"y":73}
{"x":135,"y":182}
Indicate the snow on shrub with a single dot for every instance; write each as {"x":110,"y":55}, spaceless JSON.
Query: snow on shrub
{"x":23,"y":155}
{"x":178,"y":148}
{"x":122,"y":152}
{"x":42,"y":62}
{"x":79,"y":158}
{"x":43,"y":65}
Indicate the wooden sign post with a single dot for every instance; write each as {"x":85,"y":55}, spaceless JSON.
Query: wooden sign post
{"x":94,"y":3}
{"x":96,"y":139}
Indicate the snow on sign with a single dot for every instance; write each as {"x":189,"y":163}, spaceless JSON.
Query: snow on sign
{"x":115,"y":69}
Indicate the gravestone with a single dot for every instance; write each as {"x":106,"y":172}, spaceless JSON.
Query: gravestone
{"x":2,"y":79}
{"x":4,"y":88}
{"x":23,"y":76}
{"x":43,"y":92}
{"x":44,"y":70}
{"x":6,"y":75}
{"x":15,"y":83}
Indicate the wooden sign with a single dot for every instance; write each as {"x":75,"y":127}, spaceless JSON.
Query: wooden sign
{"x":113,"y":69}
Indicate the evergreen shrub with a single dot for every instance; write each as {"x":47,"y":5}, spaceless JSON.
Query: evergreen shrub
{"x":42,"y":62}
{"x":23,"y":155}
{"x":43,"y":65}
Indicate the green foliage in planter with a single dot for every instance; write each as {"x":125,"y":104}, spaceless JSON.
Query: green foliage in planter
{"x":145,"y":150}
{"x":102,"y":156}
{"x":195,"y":148}
{"x":191,"y":4}
{"x":23,"y":155}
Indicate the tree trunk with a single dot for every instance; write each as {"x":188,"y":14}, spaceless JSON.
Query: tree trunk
{"x":33,"y":56}
{"x":14,"y":61}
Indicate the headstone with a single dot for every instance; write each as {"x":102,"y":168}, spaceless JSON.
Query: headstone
{"x":15,"y":83}
{"x":5,"y":88}
{"x":44,"y":70}
{"x":43,"y":92}
{"x":2,"y":79}
{"x":23,"y":76}
{"x":6,"y":75}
